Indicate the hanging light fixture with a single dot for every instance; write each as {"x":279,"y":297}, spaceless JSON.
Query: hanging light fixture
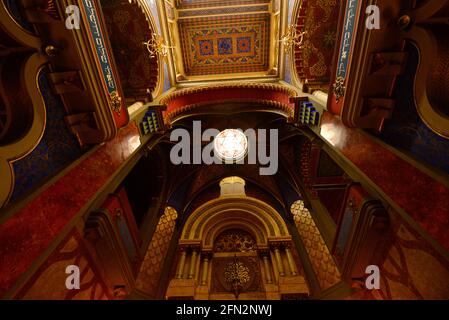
{"x":231,"y":145}
{"x":157,"y":46}
{"x":292,"y":39}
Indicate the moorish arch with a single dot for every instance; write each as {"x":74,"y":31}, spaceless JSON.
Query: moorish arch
{"x":207,"y":221}
{"x":236,"y":231}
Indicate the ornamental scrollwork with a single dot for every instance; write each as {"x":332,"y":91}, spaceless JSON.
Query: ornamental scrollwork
{"x":339,"y":88}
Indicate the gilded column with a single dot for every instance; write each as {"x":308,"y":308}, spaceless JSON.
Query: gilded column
{"x":205,"y":269}
{"x":198,"y":273}
{"x":180,"y":272}
{"x":291,"y":261}
{"x":277,"y":253}
{"x":266,"y":265}
{"x":193,"y":262}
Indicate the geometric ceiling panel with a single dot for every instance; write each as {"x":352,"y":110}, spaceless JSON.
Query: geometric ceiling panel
{"x":215,"y":40}
{"x":222,"y":45}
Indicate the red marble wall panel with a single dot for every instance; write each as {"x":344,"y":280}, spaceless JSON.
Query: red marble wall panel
{"x":413,"y":269}
{"x":25,"y":235}
{"x":334,"y":106}
{"x":425,"y":199}
{"x":49,"y":282}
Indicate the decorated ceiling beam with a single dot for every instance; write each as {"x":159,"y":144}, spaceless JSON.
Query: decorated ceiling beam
{"x":274,"y":97}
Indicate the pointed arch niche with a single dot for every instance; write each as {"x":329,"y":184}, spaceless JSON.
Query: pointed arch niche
{"x":272,"y":264}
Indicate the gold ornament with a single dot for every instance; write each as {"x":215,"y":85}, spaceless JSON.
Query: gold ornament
{"x":116,"y":102}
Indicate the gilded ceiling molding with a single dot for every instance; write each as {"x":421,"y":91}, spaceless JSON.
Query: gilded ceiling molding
{"x":183,"y":4}
{"x":215,"y":40}
{"x":178,"y":102}
{"x":270,"y":105}
{"x":237,"y":85}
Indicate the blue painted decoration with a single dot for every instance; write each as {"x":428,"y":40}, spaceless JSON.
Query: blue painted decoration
{"x":57,"y":148}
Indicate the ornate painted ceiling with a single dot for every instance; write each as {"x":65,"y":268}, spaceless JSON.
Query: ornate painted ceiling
{"x":215,"y":40}
{"x":225,"y":45}
{"x":319,"y":19}
{"x":128,"y":27}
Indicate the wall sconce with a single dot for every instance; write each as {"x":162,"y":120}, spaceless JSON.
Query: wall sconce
{"x":292,"y":39}
{"x":157,"y":46}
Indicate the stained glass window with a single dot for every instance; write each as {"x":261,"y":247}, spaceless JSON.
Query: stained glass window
{"x":231,"y":145}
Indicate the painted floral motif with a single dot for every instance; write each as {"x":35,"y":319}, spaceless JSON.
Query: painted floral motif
{"x":225,"y":46}
{"x":244,"y":44}
{"x":320,"y":23}
{"x":238,"y":271}
{"x":206,"y":47}
{"x":57,"y":148}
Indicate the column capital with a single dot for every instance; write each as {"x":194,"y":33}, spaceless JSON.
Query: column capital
{"x":207,"y":254}
{"x":187,"y":247}
{"x":287,"y":244}
{"x":264,"y":253}
{"x":195,"y":248}
{"x":275,"y":245}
